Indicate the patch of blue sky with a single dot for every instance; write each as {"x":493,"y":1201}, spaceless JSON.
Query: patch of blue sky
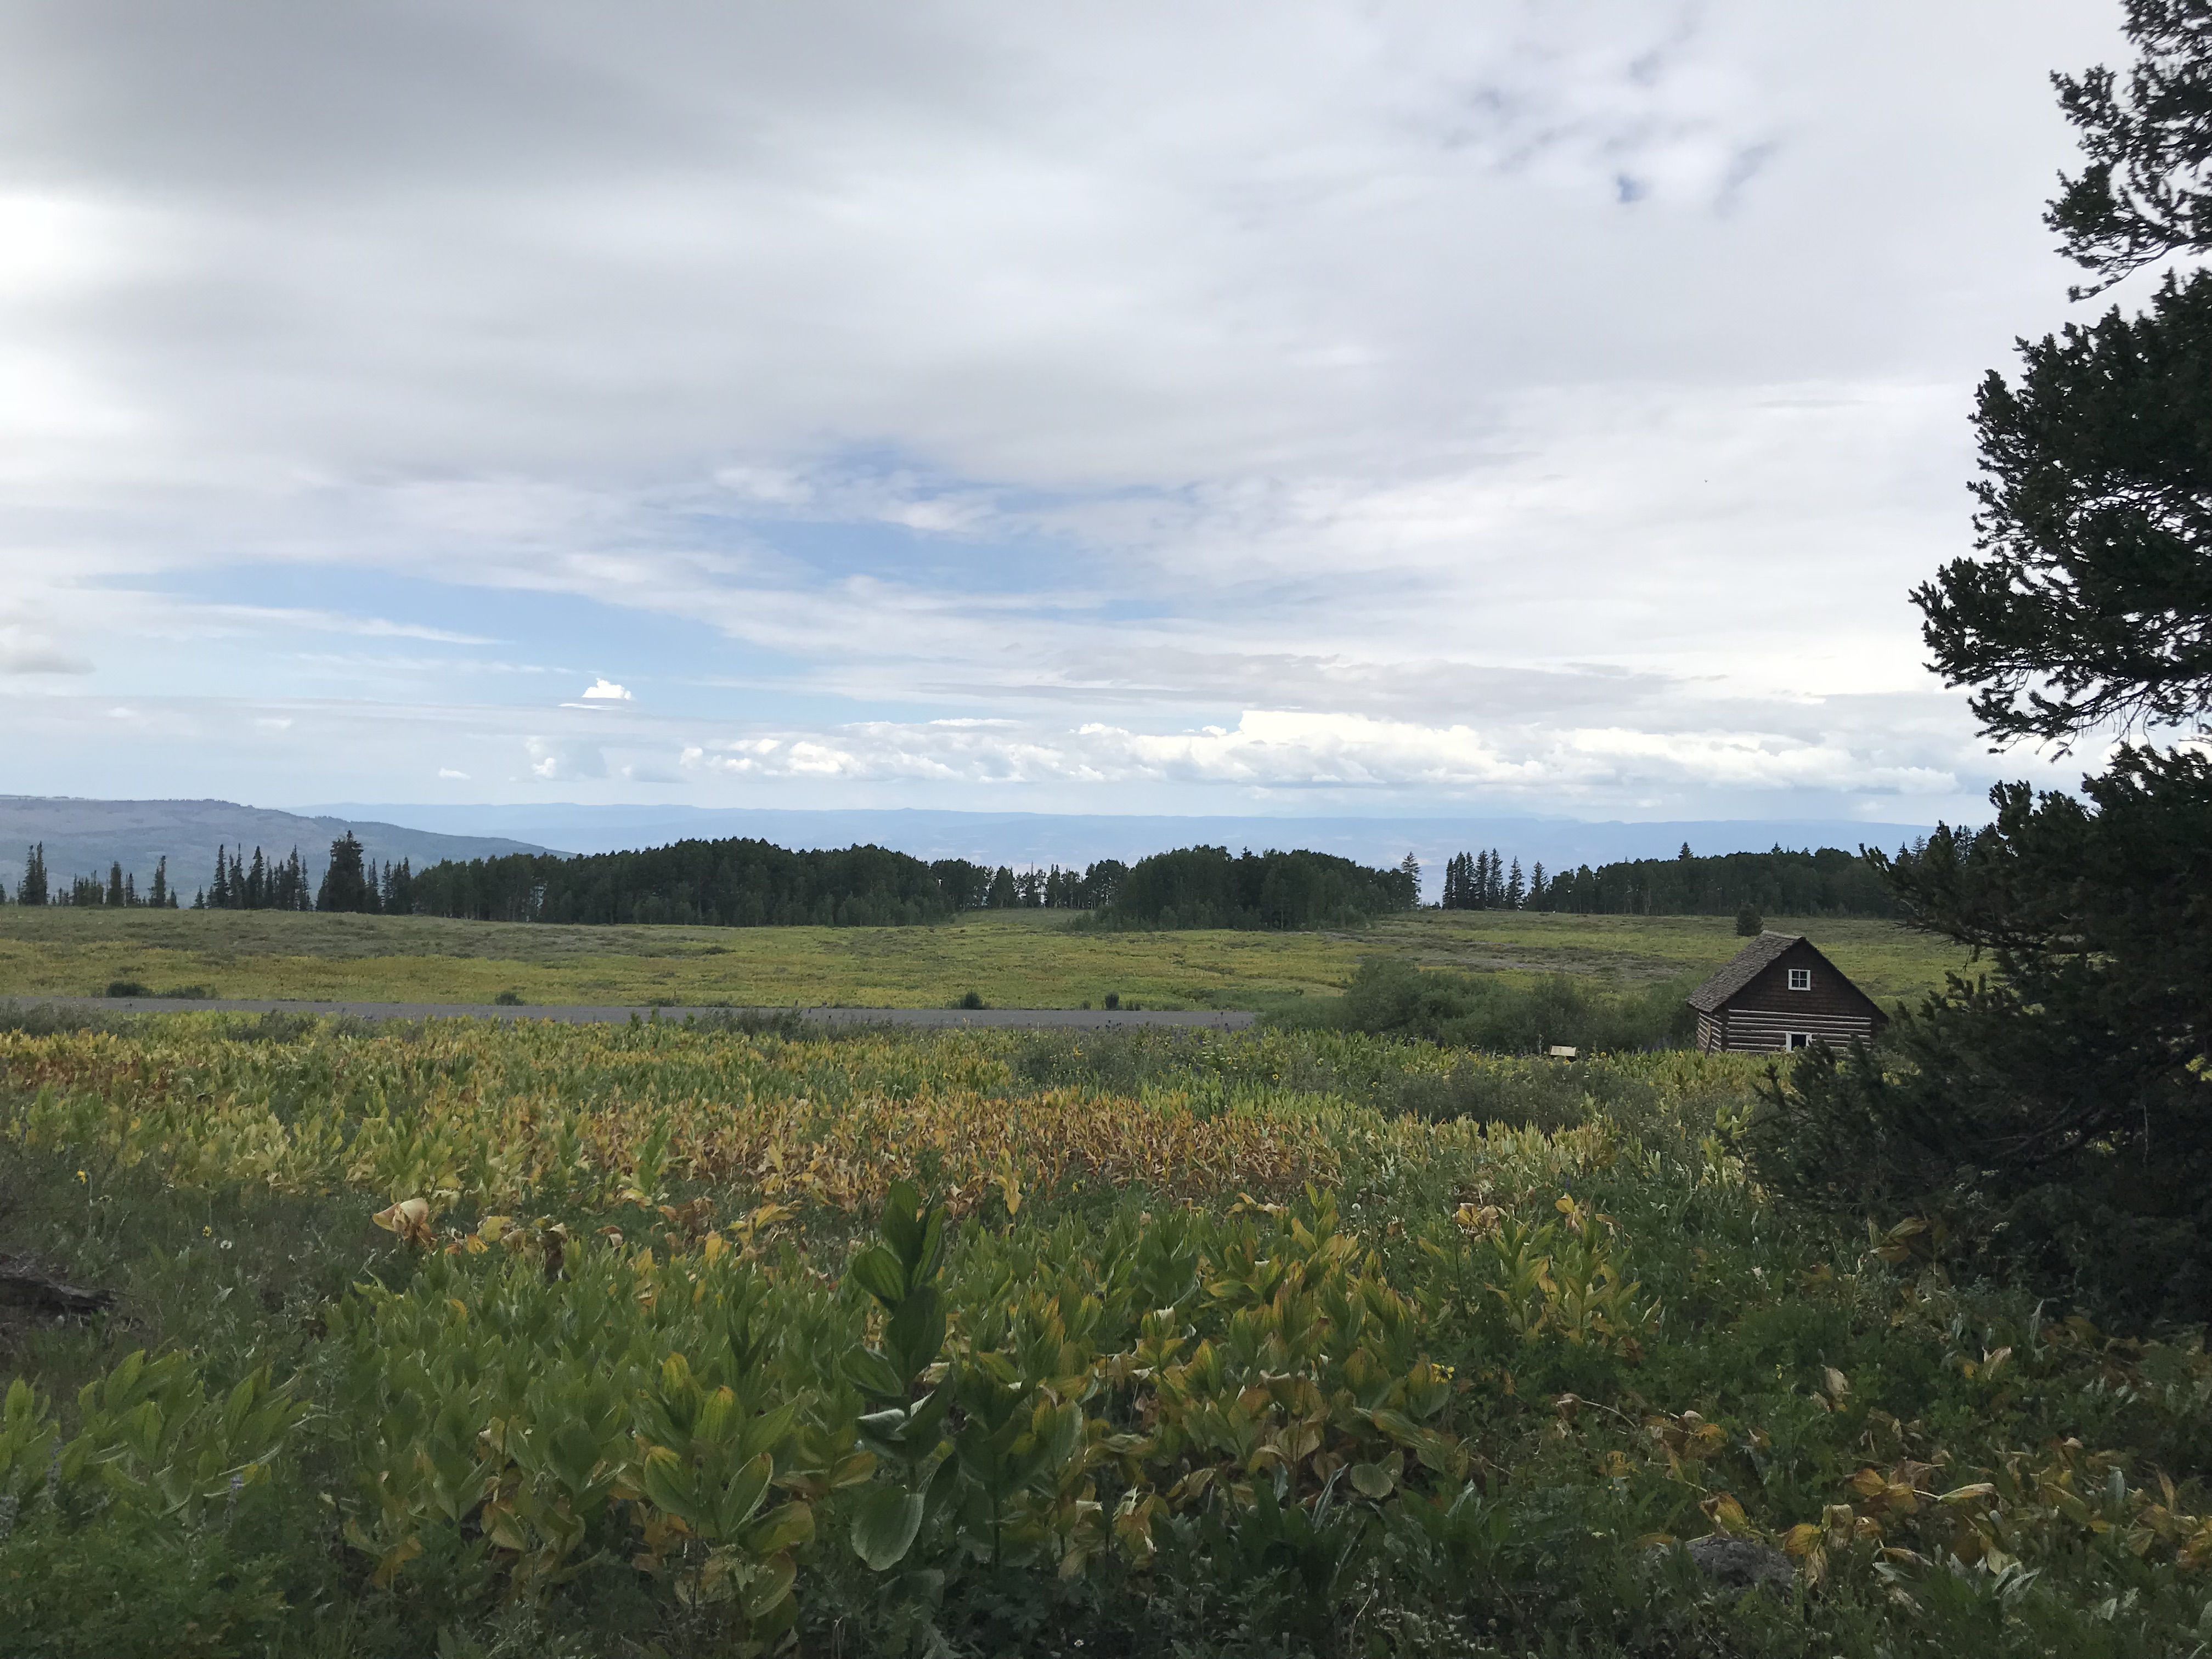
{"x":563,"y":633}
{"x":942,"y":560}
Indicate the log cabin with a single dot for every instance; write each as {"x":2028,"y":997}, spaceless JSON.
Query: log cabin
{"x":1779,"y":993}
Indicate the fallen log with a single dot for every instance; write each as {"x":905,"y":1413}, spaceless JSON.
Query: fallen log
{"x":27,"y":1285}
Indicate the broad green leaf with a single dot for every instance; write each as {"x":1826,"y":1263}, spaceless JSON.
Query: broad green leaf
{"x":885,"y":1527}
{"x":667,"y":1479}
{"x":872,"y":1374}
{"x":1372,"y":1481}
{"x":741,"y":1496}
{"x":879,"y":1272}
{"x":781,"y":1528}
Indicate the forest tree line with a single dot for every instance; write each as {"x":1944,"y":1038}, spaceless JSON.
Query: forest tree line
{"x":740,"y":882}
{"x":1827,"y":883}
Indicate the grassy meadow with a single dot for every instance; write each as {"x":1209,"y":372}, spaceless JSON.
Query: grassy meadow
{"x":642,"y":1341}
{"x":1013,"y":959}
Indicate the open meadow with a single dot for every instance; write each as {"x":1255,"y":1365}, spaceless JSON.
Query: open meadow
{"x":662,"y":1340}
{"x":1013,"y":959}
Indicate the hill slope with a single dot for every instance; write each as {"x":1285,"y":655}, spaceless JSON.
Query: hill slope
{"x":84,"y":837}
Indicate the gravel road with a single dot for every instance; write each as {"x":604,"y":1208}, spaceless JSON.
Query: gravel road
{"x":1082,"y":1018}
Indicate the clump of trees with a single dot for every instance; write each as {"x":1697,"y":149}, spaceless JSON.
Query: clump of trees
{"x":734,"y":882}
{"x":119,"y":888}
{"x":264,"y":885}
{"x":982,"y":887}
{"x":2054,"y":1113}
{"x":350,"y":882}
{"x":1205,"y":887}
{"x":1826,"y":883}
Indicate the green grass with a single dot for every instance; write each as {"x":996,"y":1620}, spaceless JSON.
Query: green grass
{"x":1013,"y":959}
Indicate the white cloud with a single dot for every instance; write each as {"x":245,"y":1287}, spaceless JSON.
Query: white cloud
{"x":558,"y":760}
{"x":1508,"y":399}
{"x":1333,"y":753}
{"x":447,"y":772}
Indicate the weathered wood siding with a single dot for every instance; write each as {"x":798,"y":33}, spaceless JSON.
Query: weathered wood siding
{"x":1760,"y":1016}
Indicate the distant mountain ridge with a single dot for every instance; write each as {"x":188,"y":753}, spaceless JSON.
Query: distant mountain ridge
{"x":85,"y":837}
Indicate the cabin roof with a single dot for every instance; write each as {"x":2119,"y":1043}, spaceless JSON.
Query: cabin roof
{"x":1744,"y":967}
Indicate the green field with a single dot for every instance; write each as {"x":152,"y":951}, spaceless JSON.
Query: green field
{"x":1018,"y":959}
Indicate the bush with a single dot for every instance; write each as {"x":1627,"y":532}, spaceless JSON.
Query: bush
{"x":1391,"y":995}
{"x":1749,"y":924}
{"x":509,"y":999}
{"x":972,"y":999}
{"x":127,"y":988}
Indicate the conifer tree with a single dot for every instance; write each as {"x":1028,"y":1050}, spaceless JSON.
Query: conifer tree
{"x":33,"y":889}
{"x":115,"y":883}
{"x":1515,"y":893}
{"x":158,"y":896}
{"x":345,"y":880}
{"x":2057,"y":1114}
{"x":218,"y":891}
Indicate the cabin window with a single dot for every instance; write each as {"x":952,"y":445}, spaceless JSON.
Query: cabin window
{"x":1798,"y":1040}
{"x":1801,"y":979}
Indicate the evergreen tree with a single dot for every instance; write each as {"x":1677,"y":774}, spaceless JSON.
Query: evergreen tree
{"x":158,"y":895}
{"x":345,"y":881}
{"x":115,"y":883}
{"x":218,"y":891}
{"x":2056,"y":1113}
{"x":1003,"y":896}
{"x":400,"y":889}
{"x":1409,"y":869}
{"x":1515,"y":890}
{"x":33,"y":888}
{"x":1538,"y":892}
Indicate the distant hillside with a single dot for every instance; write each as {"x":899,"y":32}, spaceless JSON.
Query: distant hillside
{"x":84,"y":837}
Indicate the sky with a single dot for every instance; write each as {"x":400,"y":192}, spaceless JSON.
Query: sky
{"x":1472,"y":408}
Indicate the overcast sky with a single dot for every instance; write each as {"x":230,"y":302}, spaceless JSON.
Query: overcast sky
{"x":1476,"y":407}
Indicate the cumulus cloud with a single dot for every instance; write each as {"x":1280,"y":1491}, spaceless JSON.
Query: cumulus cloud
{"x":1283,"y":750}
{"x":558,"y":760}
{"x":604,"y":691}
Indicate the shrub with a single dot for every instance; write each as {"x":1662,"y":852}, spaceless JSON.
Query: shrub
{"x":1749,"y":924}
{"x":1390,"y":994}
{"x":127,"y":988}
